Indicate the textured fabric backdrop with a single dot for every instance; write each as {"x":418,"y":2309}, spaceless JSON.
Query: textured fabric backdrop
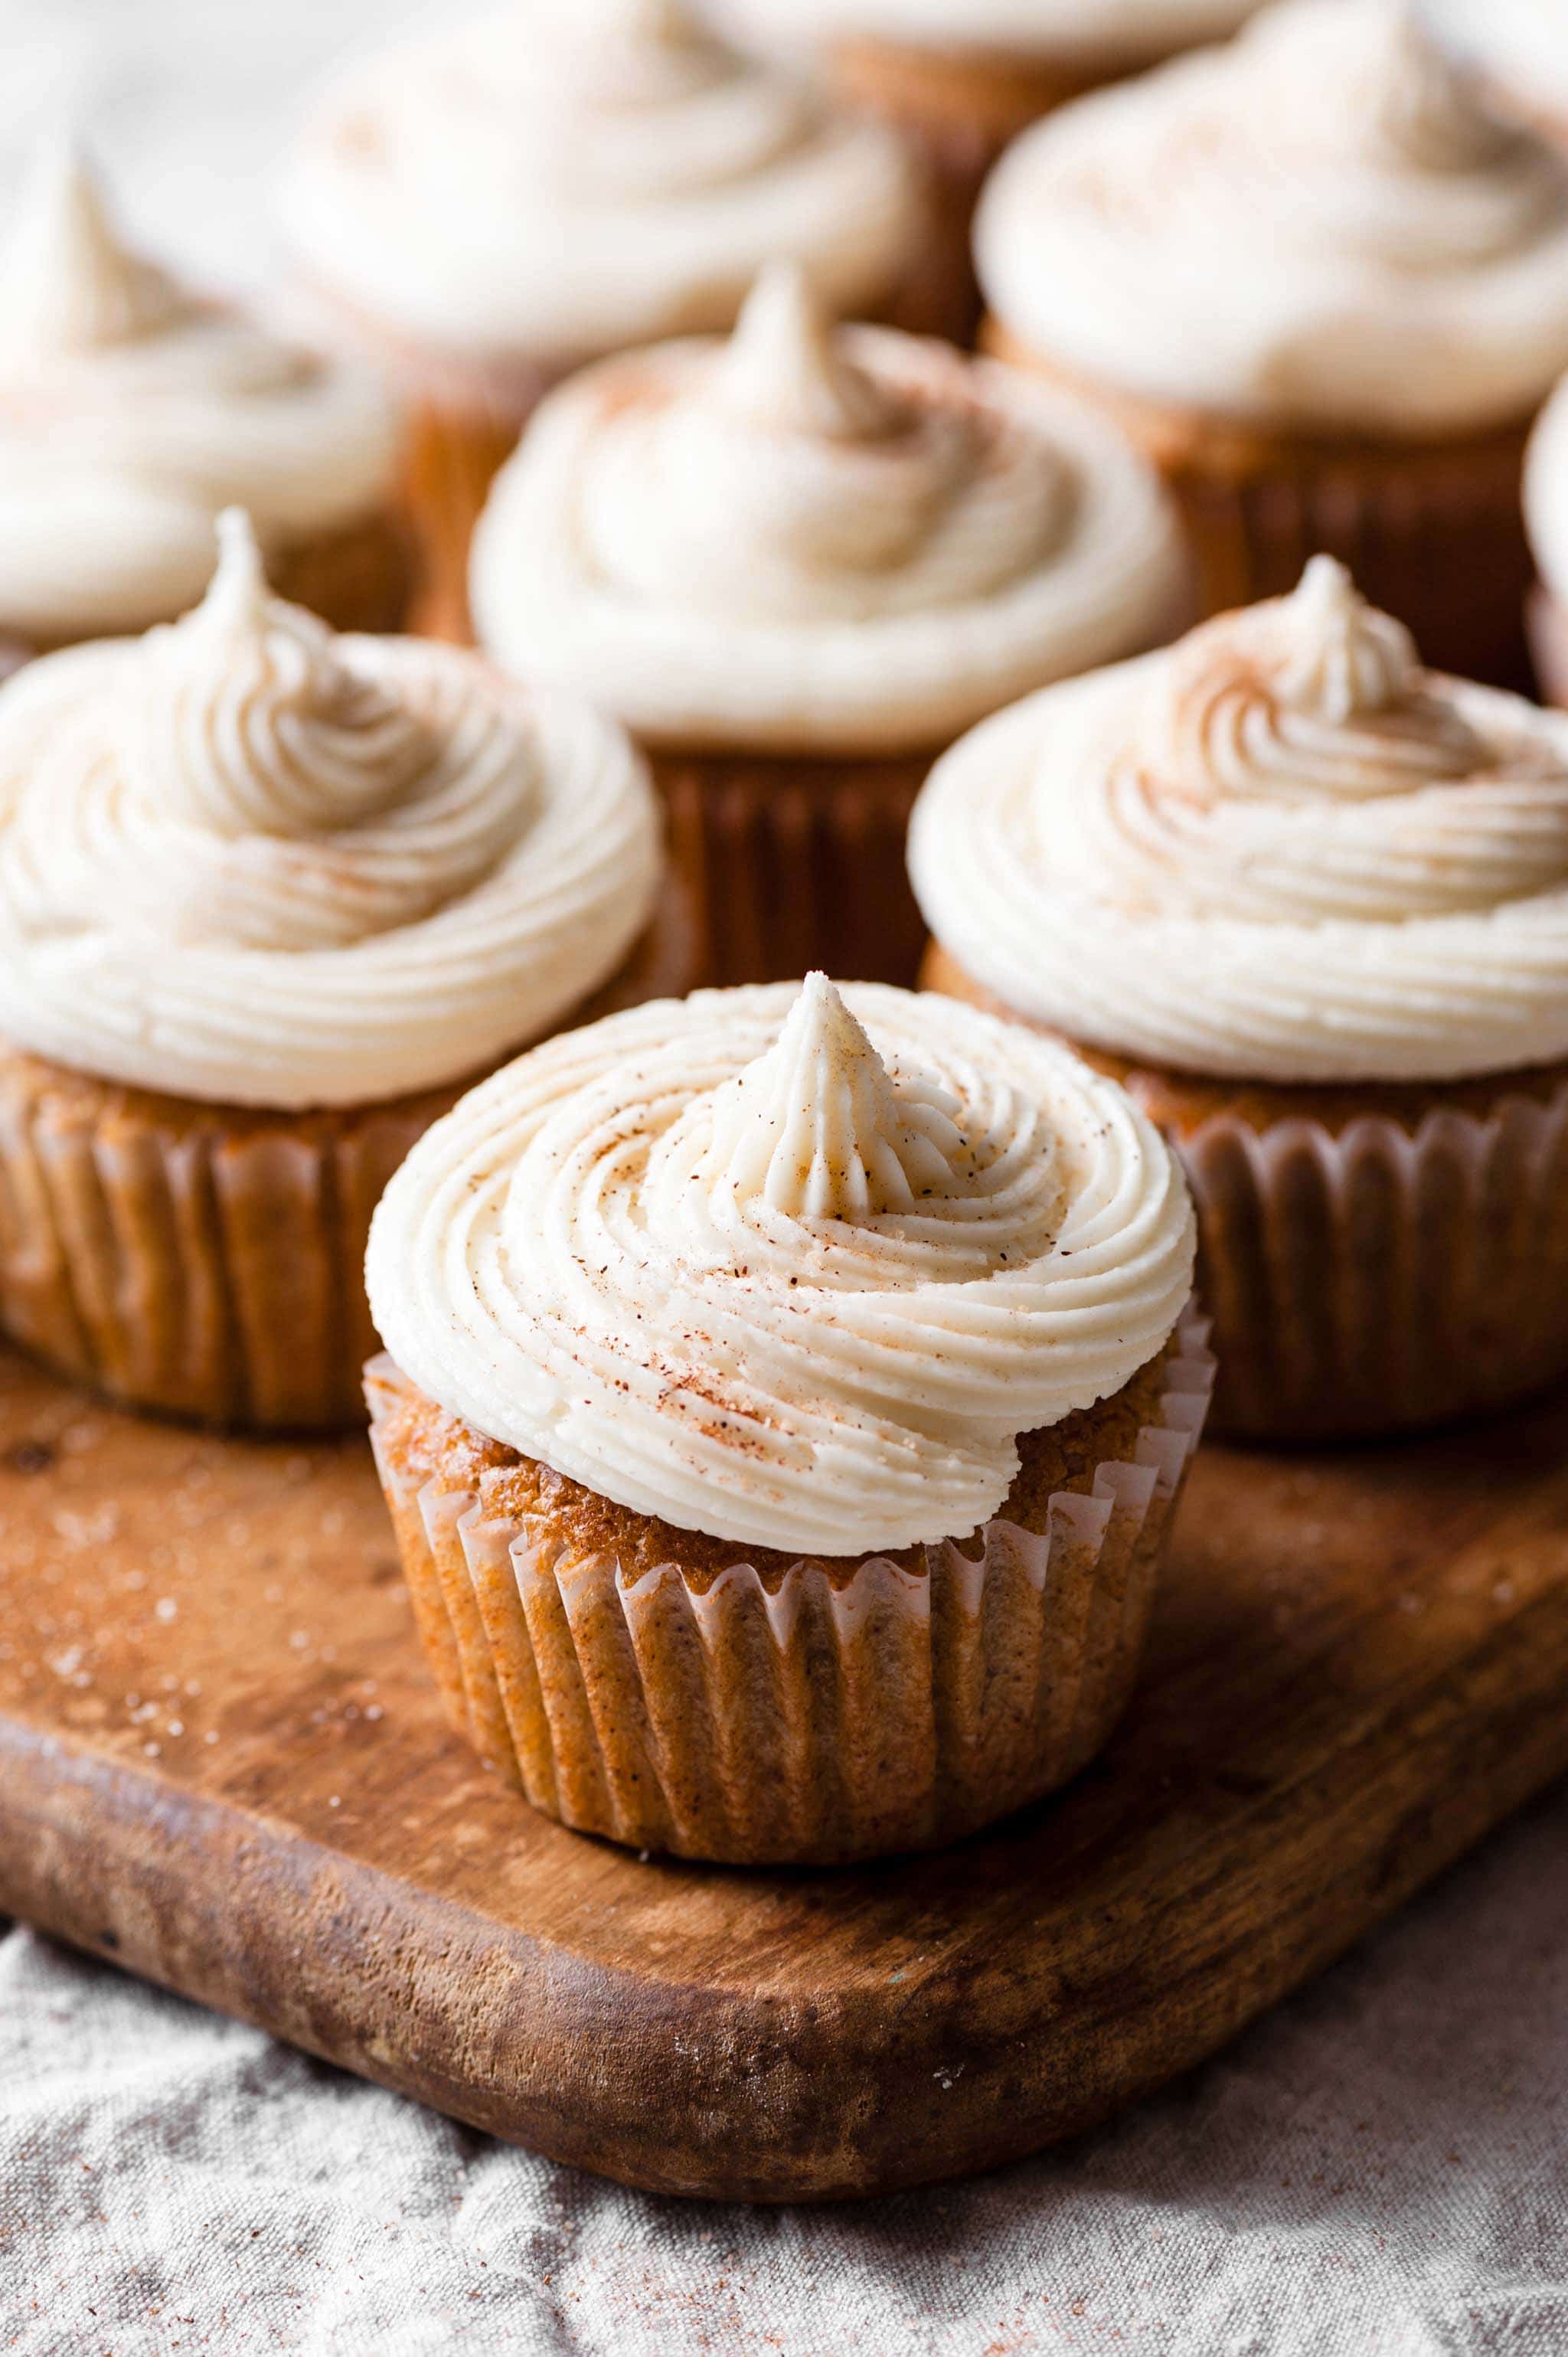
{"x":1376,"y":2171}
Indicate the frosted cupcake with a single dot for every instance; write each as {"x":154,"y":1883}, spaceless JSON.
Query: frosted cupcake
{"x":787,"y":1403}
{"x":796,"y":565}
{"x":1309,"y":902}
{"x":1326,"y":289}
{"x":494,"y":205}
{"x":131,"y":412}
{"x":269,"y":899}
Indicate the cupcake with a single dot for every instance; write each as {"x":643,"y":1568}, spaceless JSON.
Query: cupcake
{"x":1326,"y":289}
{"x":798,"y":565}
{"x":269,"y":899}
{"x":1521,"y":48}
{"x":131,"y":412}
{"x":788,"y":1393}
{"x":960,"y":78}
{"x":494,"y":205}
{"x":1309,"y":902}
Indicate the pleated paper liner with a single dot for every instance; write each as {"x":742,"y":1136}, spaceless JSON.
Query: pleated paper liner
{"x":1431,"y":531}
{"x":1375,"y":1260}
{"x":796,"y":863}
{"x":815,"y":1713}
{"x":206,"y":1260}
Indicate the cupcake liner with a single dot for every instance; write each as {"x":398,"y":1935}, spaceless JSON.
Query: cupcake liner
{"x":191,"y":1259}
{"x":1431,"y":532}
{"x":796,"y":864}
{"x":1377,"y":1277}
{"x":810,"y":1717}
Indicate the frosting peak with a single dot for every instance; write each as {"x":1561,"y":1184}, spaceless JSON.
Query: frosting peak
{"x":251,"y":719}
{"x":67,"y":283}
{"x":1339,"y":655}
{"x":785,"y":370}
{"x":818,"y":1129}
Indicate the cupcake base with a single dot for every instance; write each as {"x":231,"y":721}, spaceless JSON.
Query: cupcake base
{"x":678,"y":1694}
{"x":207,"y":1261}
{"x":1375,"y":1259}
{"x":796,"y":863}
{"x":1431,"y":531}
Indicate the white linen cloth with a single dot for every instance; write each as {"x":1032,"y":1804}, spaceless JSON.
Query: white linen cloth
{"x":1380,"y":2169}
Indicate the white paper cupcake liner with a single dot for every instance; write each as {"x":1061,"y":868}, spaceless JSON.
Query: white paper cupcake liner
{"x":796,"y":1718}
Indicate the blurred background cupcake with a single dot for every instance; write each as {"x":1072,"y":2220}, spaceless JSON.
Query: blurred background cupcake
{"x":269,"y":899}
{"x":1309,"y":902}
{"x":960,"y":78}
{"x":798,"y":564}
{"x":132,"y":411}
{"x":490,"y":206}
{"x":1327,"y":288}
{"x":788,"y":1399}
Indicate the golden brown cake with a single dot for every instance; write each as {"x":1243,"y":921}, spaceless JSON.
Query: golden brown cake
{"x":1325,"y":287}
{"x":796,"y":565}
{"x":1308,"y":903}
{"x":721,"y":1535}
{"x":269,"y":897}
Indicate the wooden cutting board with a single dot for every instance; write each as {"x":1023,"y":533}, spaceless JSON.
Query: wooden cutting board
{"x":222,"y":1764}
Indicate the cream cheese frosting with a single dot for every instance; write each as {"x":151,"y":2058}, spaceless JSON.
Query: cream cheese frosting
{"x":243,"y":859}
{"x":809,"y":537}
{"x":1319,"y":226}
{"x":786,"y":1265}
{"x":568,"y":177}
{"x":131,"y":413}
{"x":1119,"y":31}
{"x":1280,"y":851}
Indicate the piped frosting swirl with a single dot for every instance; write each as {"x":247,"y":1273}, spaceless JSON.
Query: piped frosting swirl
{"x":1321,"y":225}
{"x":248,"y":860}
{"x":562,"y":180}
{"x":794,"y":1269}
{"x":812,"y":533}
{"x":130,"y":414}
{"x":1279,"y":850}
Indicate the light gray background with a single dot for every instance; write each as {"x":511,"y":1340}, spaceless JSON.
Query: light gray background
{"x":1376,"y":2171}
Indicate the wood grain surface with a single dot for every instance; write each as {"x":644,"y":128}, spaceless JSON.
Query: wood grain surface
{"x":222,"y":1764}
